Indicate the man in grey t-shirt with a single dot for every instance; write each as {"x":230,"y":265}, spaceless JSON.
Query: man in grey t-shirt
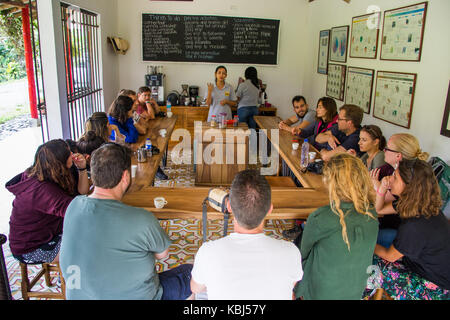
{"x":109,"y":249}
{"x":303,"y":117}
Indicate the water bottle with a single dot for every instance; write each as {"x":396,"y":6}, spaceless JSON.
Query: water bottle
{"x":148,"y":147}
{"x":169,"y":106}
{"x":305,"y":152}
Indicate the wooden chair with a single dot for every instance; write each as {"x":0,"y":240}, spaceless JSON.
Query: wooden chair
{"x":27,"y":285}
{"x":5,"y":290}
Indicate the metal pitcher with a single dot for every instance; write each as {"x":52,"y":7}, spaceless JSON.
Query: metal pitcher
{"x":141,"y":155}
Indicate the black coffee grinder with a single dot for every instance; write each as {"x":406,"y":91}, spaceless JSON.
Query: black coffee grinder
{"x":193,"y":94}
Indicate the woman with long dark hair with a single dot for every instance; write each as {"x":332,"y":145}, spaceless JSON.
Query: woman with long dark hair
{"x":42,"y":195}
{"x":326,"y":117}
{"x":121,"y":115}
{"x":220,"y":96}
{"x":249,"y":97}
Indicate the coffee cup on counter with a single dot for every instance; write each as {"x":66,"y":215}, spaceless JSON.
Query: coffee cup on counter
{"x":163,"y":132}
{"x":133,"y":170}
{"x":160,"y":202}
{"x":169,"y":114}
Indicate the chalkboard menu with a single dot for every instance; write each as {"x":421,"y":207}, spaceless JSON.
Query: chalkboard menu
{"x":209,"y":39}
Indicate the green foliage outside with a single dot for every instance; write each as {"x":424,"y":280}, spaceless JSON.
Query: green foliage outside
{"x":12,"y":61}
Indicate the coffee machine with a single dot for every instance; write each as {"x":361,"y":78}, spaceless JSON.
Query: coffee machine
{"x":154,"y":79}
{"x":193,"y":94}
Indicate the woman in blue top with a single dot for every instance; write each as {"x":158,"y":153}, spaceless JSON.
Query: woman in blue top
{"x":249,"y":97}
{"x":120,"y":115}
{"x":220,"y":96}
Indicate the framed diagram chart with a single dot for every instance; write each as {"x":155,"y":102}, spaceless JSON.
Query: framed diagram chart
{"x":324,"y":41}
{"x":359,"y":87}
{"x":403,"y":30}
{"x":394,"y":96}
{"x":364,"y":36}
{"x":336,"y":81}
{"x":338,"y":44}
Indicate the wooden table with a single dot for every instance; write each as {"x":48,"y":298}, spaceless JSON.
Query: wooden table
{"x":291,"y":157}
{"x":220,"y":153}
{"x":146,"y":171}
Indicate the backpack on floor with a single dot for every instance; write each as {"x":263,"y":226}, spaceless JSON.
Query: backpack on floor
{"x":442,"y":172}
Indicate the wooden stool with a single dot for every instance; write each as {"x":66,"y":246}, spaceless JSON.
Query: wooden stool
{"x":28,"y":285}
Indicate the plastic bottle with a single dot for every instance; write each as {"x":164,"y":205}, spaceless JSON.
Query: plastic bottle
{"x":113,"y":136}
{"x":213,"y":120}
{"x":236,"y":121}
{"x":169,"y":106}
{"x":148,"y":147}
{"x":305,"y":152}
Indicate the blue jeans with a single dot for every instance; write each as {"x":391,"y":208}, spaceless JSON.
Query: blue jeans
{"x":176,"y":283}
{"x":246,"y":114}
{"x":386,"y":237}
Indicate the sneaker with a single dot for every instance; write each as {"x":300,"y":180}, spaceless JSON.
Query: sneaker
{"x":161,"y":175}
{"x":293,"y":233}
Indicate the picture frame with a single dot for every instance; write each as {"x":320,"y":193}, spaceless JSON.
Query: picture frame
{"x":445,"y":128}
{"x":338,"y":44}
{"x":403,"y":31}
{"x":359,"y":87}
{"x":336,"y":81}
{"x":324,"y":43}
{"x":364,"y":36}
{"x":394,"y":97}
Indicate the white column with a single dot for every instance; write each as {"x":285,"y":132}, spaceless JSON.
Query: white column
{"x":53,"y":68}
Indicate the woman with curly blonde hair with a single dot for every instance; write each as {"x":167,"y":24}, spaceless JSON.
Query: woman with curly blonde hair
{"x":338,"y":240}
{"x":423,"y":238}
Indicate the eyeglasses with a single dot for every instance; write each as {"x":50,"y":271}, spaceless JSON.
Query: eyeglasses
{"x":342,"y":119}
{"x":387,"y":149}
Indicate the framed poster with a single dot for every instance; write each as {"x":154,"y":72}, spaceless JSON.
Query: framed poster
{"x":403,"y":30}
{"x":338,"y":44}
{"x":394,"y":96}
{"x":324,"y":41}
{"x":364,"y":36}
{"x":336,"y":81}
{"x":445,"y":128}
{"x":359,"y":87}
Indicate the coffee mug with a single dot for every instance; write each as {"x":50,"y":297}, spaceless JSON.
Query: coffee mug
{"x":133,"y":170}
{"x":312,"y":156}
{"x":295,"y":145}
{"x":163,"y":132}
{"x":169,"y":114}
{"x":160,"y":202}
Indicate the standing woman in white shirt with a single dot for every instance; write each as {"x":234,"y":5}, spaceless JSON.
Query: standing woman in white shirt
{"x":220,"y":96}
{"x":249,"y":97}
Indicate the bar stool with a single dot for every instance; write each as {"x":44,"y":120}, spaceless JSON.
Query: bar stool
{"x":27,"y":285}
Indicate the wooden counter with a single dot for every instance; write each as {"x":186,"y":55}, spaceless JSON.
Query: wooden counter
{"x":146,"y":171}
{"x":231,"y":144}
{"x":188,"y":115}
{"x":291,"y":157}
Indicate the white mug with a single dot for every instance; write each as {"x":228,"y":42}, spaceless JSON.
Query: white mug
{"x":163,"y":132}
{"x":160,"y":202}
{"x":295,"y":145}
{"x":133,"y":170}
{"x":169,"y":114}
{"x":312,"y":156}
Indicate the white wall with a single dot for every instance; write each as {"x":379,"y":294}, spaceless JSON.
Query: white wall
{"x":283,"y":80}
{"x":433,"y":71}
